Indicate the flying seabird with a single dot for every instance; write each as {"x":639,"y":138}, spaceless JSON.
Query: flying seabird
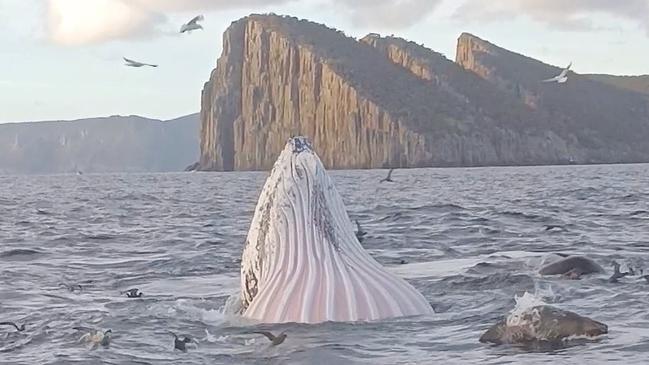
{"x":19,"y":329}
{"x":562,"y":77}
{"x":389,"y":177}
{"x":132,"y":293}
{"x":132,"y":63}
{"x":275,"y":340}
{"x":192,"y":24}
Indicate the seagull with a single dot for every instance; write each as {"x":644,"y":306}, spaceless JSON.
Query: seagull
{"x":360,"y":234}
{"x":132,"y":293}
{"x":275,"y":340}
{"x":562,"y":77}
{"x":389,"y":178}
{"x":19,"y":329}
{"x":192,"y":25}
{"x":132,"y":63}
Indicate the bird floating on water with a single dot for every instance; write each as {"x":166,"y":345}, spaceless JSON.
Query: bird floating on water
{"x":562,"y":77}
{"x":389,"y":177}
{"x":192,"y":24}
{"x":18,"y":328}
{"x":616,"y":273}
{"x":95,"y":337}
{"x":181,"y":343}
{"x":274,"y":340}
{"x":72,"y":287}
{"x":132,"y":63}
{"x":132,"y":293}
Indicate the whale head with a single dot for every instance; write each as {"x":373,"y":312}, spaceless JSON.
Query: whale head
{"x":302,"y":261}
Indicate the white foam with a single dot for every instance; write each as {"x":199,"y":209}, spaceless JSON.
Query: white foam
{"x":524,"y":307}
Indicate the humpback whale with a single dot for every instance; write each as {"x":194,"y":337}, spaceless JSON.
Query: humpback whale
{"x":302,"y":261}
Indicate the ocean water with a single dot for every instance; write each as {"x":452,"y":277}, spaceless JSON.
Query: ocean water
{"x":468,"y":239}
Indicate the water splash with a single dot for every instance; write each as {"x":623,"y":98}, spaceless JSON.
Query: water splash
{"x":525,"y":306}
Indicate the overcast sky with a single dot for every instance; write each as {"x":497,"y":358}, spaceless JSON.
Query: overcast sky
{"x":62,"y":59}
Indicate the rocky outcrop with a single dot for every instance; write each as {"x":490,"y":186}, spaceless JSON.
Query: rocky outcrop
{"x":378,"y":102}
{"x":111,"y":144}
{"x":611,"y":124}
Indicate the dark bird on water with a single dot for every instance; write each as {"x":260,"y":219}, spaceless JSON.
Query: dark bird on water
{"x":274,"y":340}
{"x":71,"y":287}
{"x":181,"y":343}
{"x":132,"y":293}
{"x":18,"y":328}
{"x":616,"y":273}
{"x":389,"y":177}
{"x":360,"y":234}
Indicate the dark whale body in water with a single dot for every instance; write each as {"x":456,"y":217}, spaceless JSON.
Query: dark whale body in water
{"x":580,"y":264}
{"x":543,"y":323}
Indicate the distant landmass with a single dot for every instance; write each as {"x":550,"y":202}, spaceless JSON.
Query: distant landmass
{"x":110,"y":144}
{"x":634,"y":83}
{"x":384,"y":101}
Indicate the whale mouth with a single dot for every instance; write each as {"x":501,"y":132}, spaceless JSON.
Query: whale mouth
{"x":302,"y":261}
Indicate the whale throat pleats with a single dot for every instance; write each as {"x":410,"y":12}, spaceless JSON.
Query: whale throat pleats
{"x":302,"y":261}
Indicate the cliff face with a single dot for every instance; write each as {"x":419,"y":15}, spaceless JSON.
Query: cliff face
{"x":112,"y":144}
{"x":279,"y":77}
{"x":610,"y":123}
{"x":382,"y":102}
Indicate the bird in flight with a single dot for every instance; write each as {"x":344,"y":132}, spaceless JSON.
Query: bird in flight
{"x":389,"y":177}
{"x":192,"y":25}
{"x":132,"y":63}
{"x":562,"y":77}
{"x":274,"y":340}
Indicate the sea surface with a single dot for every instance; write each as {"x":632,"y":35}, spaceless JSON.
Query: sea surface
{"x":468,"y":239}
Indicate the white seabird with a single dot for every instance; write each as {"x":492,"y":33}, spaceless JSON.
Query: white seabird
{"x":562,"y":77}
{"x":132,"y":63}
{"x":192,"y":24}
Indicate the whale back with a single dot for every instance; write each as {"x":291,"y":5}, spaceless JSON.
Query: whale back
{"x":543,"y":323}
{"x":302,"y":261}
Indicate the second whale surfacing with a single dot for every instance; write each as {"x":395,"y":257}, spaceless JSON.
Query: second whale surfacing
{"x":302,"y":261}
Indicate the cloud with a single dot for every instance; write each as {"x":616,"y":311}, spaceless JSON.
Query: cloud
{"x":78,"y":22}
{"x":388,"y":13}
{"x":562,"y":14}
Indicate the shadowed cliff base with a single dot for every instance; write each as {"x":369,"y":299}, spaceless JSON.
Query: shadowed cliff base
{"x":386,"y":102}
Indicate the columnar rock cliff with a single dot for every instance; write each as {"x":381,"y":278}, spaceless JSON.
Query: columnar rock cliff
{"x":378,"y":102}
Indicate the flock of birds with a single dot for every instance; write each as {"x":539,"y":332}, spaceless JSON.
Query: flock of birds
{"x":97,"y":337}
{"x":187,"y":27}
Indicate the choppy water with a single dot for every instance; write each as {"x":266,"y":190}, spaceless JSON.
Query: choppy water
{"x":472,"y":239}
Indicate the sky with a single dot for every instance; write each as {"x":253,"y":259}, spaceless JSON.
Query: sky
{"x":62,"y":59}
